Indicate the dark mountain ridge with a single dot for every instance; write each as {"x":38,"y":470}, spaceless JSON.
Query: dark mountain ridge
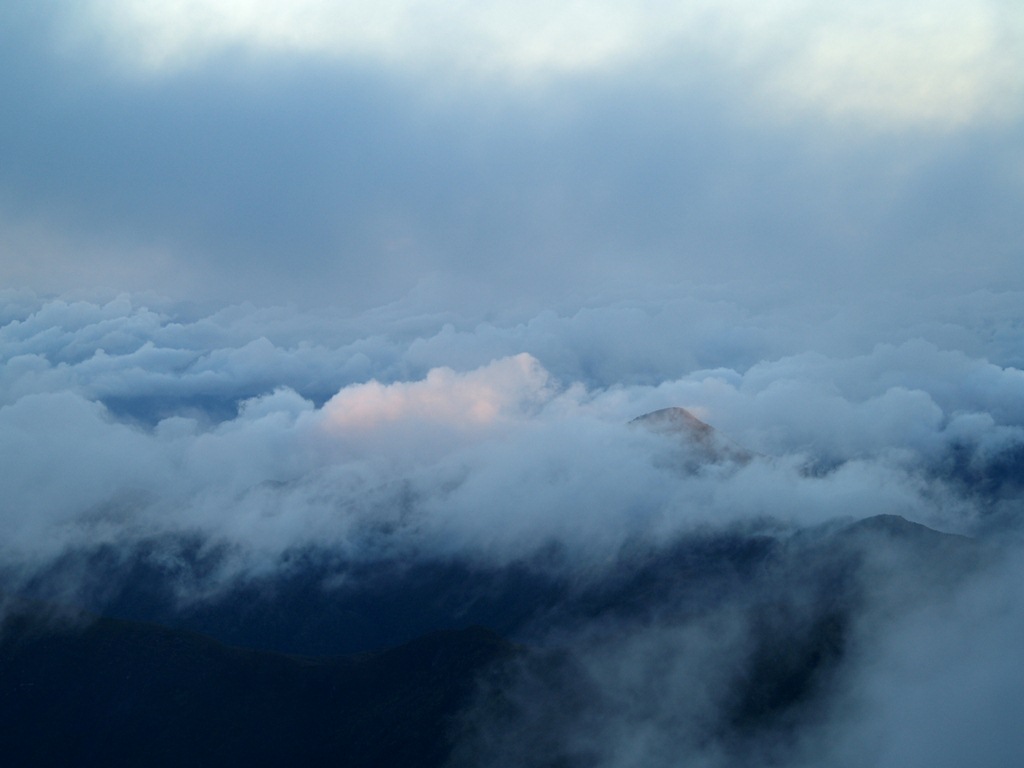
{"x":393,"y":663}
{"x":108,"y":691}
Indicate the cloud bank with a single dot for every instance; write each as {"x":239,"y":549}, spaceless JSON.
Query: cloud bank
{"x":122,"y":423}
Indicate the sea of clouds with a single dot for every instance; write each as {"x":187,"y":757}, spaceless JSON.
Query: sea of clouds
{"x":275,"y":428}
{"x":411,"y":433}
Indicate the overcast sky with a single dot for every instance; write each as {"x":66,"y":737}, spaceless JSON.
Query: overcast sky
{"x":500,"y":153}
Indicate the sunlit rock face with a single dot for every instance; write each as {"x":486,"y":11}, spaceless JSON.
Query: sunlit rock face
{"x":697,"y":443}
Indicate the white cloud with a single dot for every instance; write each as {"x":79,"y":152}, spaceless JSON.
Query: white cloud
{"x":445,"y":440}
{"x":908,"y":62}
{"x":890,"y":64}
{"x":489,"y":35}
{"x":505,"y":388}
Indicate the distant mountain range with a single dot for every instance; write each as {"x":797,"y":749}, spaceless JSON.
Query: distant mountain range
{"x":381,"y":667}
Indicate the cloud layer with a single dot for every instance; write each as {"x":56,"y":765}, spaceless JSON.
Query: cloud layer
{"x":122,"y":423}
{"x":502,"y":156}
{"x":892,"y":63}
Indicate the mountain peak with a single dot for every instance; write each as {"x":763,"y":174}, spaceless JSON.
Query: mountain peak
{"x":699,"y":437}
{"x":675,"y":419}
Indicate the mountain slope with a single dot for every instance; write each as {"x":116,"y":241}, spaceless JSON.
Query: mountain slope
{"x":784,"y":612}
{"x":112,"y":692}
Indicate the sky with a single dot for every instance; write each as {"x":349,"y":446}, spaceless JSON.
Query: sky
{"x":512,"y":153}
{"x":393,"y":278}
